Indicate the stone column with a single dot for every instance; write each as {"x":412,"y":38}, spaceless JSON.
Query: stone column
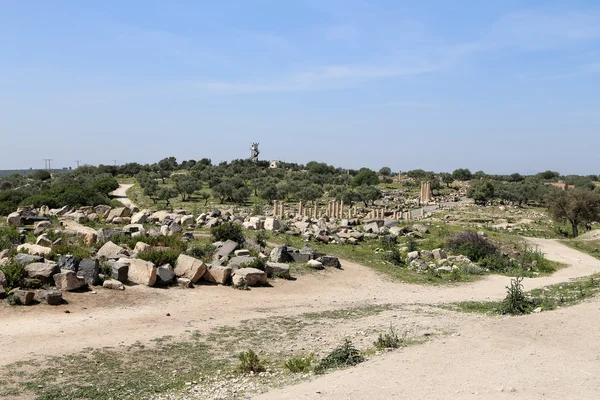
{"x":341,"y":208}
{"x":422,"y":212}
{"x":300,"y":208}
{"x":275,"y":208}
{"x":315,"y":210}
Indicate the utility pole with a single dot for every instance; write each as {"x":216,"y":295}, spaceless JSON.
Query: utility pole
{"x":77,"y":162}
{"x":115,"y":162}
{"x":47,"y":164}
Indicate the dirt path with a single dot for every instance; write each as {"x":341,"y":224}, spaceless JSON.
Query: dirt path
{"x":121,"y":194}
{"x":109,"y":318}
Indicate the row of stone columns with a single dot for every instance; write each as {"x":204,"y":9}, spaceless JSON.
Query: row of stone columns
{"x":336,"y":209}
{"x":425,"y":192}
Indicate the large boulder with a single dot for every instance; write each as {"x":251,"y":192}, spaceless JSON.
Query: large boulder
{"x":187,"y":220}
{"x":226,"y":249}
{"x":274,"y":224}
{"x":68,"y":281}
{"x":25,"y":259}
{"x":35,"y":250}
{"x":190,"y":268}
{"x":139,"y":217}
{"x":3,"y":280}
{"x":44,"y":272}
{"x":69,"y":262}
{"x":159,"y":216}
{"x":439,"y":254}
{"x":106,"y":234}
{"x":217,"y":274}
{"x":280,"y":255}
{"x":372,"y":227}
{"x":111,"y":251}
{"x":41,"y":226}
{"x":89,"y":269}
{"x":250,"y":277}
{"x":165,"y":274}
{"x":22,"y":297}
{"x":119,"y":269}
{"x":44,"y":240}
{"x":119,"y":212}
{"x":14,"y":219}
{"x":237,"y":262}
{"x":134,"y":228}
{"x":51,"y":297}
{"x":279,"y":270}
{"x":142,"y":272}
{"x":330,"y":261}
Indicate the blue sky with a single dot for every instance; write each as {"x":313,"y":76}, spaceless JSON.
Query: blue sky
{"x":499,"y":86}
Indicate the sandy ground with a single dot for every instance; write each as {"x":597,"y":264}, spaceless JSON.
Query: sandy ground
{"x":121,"y":194}
{"x":113,"y":318}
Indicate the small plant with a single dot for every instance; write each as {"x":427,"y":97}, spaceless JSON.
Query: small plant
{"x":159,"y":256}
{"x":203,"y":252}
{"x":412,"y":244}
{"x":395,"y":257}
{"x":250,"y":363}
{"x":299,"y":364}
{"x":342,"y":356}
{"x":14,"y":273}
{"x":258,"y":209}
{"x":389,"y":340}
{"x":472,"y":245}
{"x":228,"y":231}
{"x":515,"y":302}
{"x":258,"y":263}
{"x":261,"y":238}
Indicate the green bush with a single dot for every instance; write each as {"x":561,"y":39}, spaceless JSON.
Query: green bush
{"x":412,"y":244}
{"x":203,"y":252}
{"x":14,"y":273}
{"x":342,"y":356}
{"x":497,"y":263}
{"x":160,"y":256}
{"x":515,"y":302}
{"x":77,"y":250}
{"x":228,"y":231}
{"x":534,"y":259}
{"x":8,"y":237}
{"x":299,"y":364}
{"x":249,"y":362}
{"x":258,"y":263}
{"x":472,"y":245}
{"x":388,"y":340}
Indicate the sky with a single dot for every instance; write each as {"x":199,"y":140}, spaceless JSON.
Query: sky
{"x":500,"y":86}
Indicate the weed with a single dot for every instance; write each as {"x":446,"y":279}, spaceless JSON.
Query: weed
{"x":342,"y":356}
{"x":515,"y":302}
{"x":389,"y":340}
{"x":299,"y":364}
{"x":14,"y":273}
{"x":250,"y":363}
{"x":159,"y":256}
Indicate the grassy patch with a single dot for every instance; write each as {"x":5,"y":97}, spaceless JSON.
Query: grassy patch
{"x":547,"y":298}
{"x":591,"y":247}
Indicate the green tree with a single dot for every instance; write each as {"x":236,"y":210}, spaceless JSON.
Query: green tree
{"x":385,"y":171}
{"x":462,"y":174}
{"x":368,"y":194}
{"x":576,"y":206}
{"x":365,"y":176}
{"x":165,"y":194}
{"x":481,"y":191}
{"x":41,"y":175}
{"x":186,"y":185}
{"x":269,"y":193}
{"x":447,"y":178}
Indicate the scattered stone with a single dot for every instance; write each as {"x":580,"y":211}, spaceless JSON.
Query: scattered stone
{"x":184,"y":283}
{"x":190,"y":268}
{"x":44,"y":272}
{"x":68,"y":262}
{"x":14,"y":219}
{"x":142,"y":272}
{"x":249,"y":276}
{"x":25,"y":259}
{"x":226,"y":249}
{"x":165,"y":274}
{"x":89,"y":269}
{"x":280,"y":255}
{"x":330,"y":261}
{"x":35,"y":250}
{"x":279,"y":270}
{"x":315,"y":264}
{"x":113,"y":284}
{"x":22,"y":297}
{"x":119,"y":270}
{"x":68,"y":281}
{"x":111,"y":251}
{"x":51,"y":297}
{"x":439,"y":254}
{"x":217,"y":274}
{"x":3,"y":281}
{"x":237,"y":262}
{"x":242,"y":253}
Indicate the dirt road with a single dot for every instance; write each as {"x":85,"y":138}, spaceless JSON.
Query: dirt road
{"x":121,"y":194}
{"x":109,"y":318}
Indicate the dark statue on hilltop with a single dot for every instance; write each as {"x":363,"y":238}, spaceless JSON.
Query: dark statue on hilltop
{"x":254,"y":152}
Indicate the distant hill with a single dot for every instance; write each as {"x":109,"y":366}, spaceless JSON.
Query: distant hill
{"x":8,"y":172}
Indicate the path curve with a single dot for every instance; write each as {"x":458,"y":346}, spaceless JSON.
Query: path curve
{"x":120,"y":194}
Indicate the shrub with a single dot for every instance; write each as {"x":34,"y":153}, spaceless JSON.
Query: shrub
{"x":412,"y":244}
{"x":77,"y":250}
{"x":299,"y":364}
{"x":249,"y":362}
{"x":497,"y":263}
{"x":261,"y":238}
{"x":472,"y":245}
{"x":258,"y":263}
{"x":342,"y":356}
{"x":159,"y":256}
{"x":228,"y":231}
{"x":14,"y":273}
{"x":515,"y":302}
{"x":201,"y":251}
{"x":534,"y":259}
{"x":8,"y":237}
{"x":388,"y":340}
